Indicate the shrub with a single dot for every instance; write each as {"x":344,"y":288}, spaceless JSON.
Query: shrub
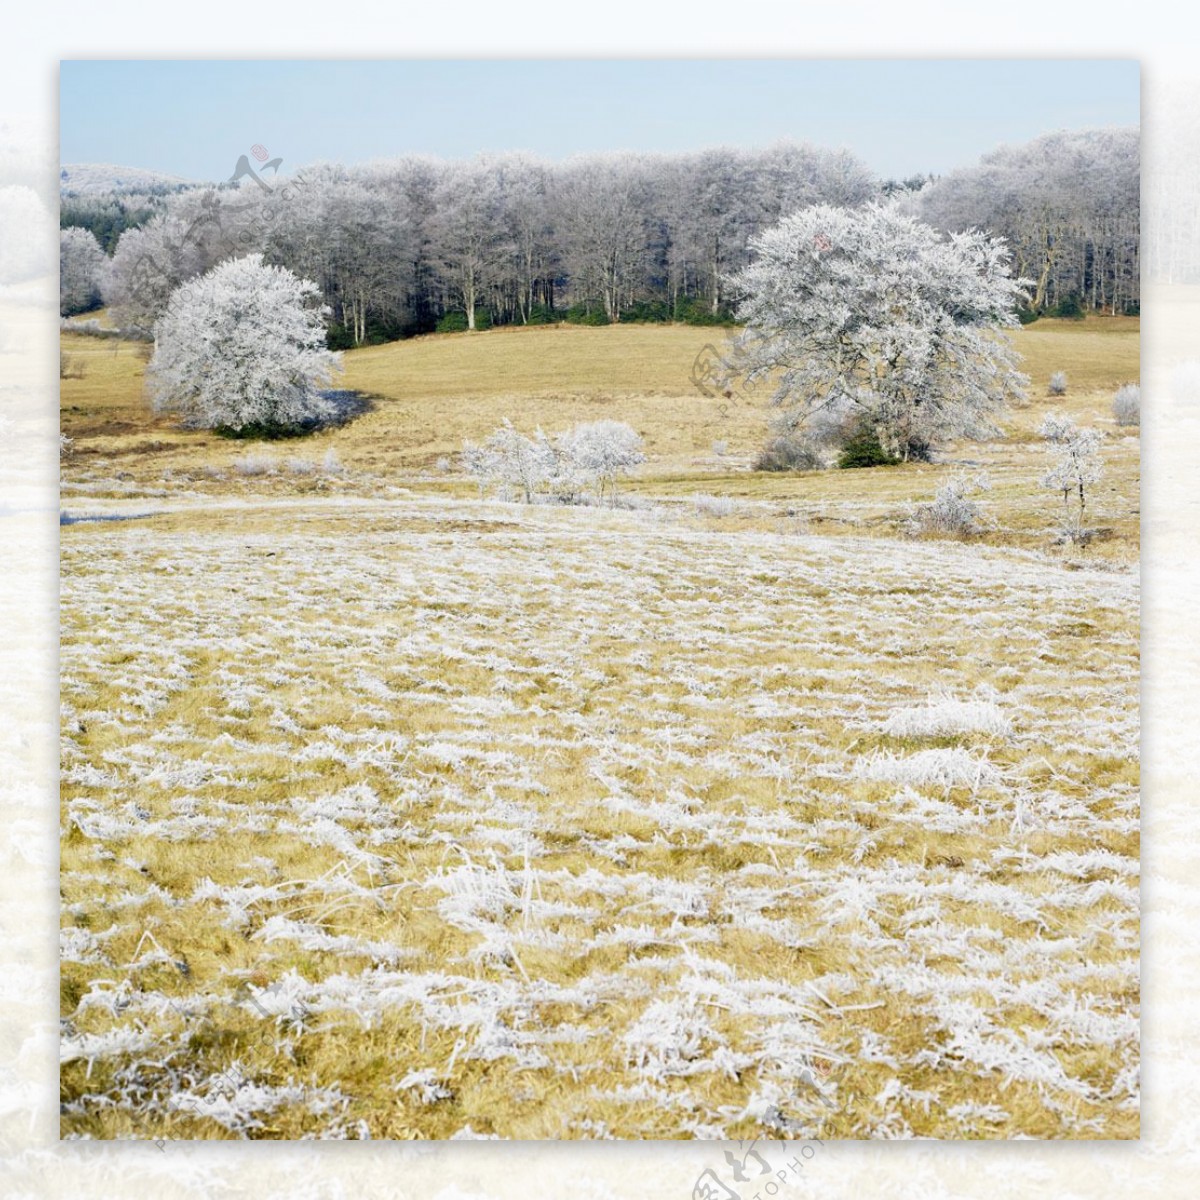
{"x":691,"y":311}
{"x":646,"y":311}
{"x":863,"y":449}
{"x":1070,"y":306}
{"x":943,"y":768}
{"x":329,"y":465}
{"x":452,"y":322}
{"x":1027,"y":316}
{"x":455,"y":321}
{"x":585,"y":314}
{"x":953,"y":512}
{"x":1058,"y":384}
{"x":254,"y":464}
{"x":542,"y":314}
{"x":1127,"y":404}
{"x":338,"y":337}
{"x":789,"y":452}
{"x":713,"y":506}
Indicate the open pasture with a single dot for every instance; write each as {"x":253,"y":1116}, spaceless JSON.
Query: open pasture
{"x":392,"y":812}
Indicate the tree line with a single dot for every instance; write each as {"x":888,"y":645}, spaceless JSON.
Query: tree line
{"x":1068,"y":206}
{"x":410,"y":245}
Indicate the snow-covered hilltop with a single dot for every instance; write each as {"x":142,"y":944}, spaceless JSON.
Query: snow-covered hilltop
{"x":105,"y":177}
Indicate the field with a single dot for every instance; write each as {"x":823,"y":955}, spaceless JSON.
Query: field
{"x":389,"y":811}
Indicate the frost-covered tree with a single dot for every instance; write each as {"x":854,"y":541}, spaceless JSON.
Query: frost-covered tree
{"x":1075,"y":465}
{"x":80,"y":265}
{"x":593,"y":454}
{"x":1067,"y":204}
{"x":601,"y":208}
{"x":243,"y":347}
{"x":604,"y":450}
{"x":511,"y":461}
{"x":876,"y":320}
{"x":198,"y":230}
{"x":468,"y":231}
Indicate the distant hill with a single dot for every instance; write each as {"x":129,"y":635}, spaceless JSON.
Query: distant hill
{"x":104,"y":177}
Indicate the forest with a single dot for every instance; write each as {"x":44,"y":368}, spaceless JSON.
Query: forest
{"x":413,"y":245}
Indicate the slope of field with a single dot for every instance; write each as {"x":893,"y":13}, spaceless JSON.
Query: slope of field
{"x":442,"y":818}
{"x":432,"y":393}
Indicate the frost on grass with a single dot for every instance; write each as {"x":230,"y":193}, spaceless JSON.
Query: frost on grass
{"x":579,"y":823}
{"x":946,"y":768}
{"x":944,"y":716}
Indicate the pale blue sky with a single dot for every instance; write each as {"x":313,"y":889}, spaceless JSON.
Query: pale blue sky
{"x":194,"y":118}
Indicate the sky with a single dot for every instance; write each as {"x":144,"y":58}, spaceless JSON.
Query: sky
{"x":901,"y":117}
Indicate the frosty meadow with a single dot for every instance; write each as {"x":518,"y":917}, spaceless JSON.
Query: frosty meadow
{"x":474,"y":727}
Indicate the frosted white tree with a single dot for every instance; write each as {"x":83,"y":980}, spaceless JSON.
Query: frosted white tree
{"x":243,"y":347}
{"x":592,"y":454}
{"x":198,"y":230}
{"x":600,"y":205}
{"x":511,"y":461}
{"x":873,"y":316}
{"x":1074,"y":467}
{"x":604,"y":450}
{"x":1067,"y":203}
{"x":80,"y":264}
{"x":468,"y":231}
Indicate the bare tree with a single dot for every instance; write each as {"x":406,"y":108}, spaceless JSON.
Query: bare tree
{"x":468,"y":231}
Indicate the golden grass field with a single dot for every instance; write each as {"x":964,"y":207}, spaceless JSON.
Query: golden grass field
{"x":389,"y":811}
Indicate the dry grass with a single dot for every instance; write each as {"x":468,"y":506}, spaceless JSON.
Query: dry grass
{"x":458,"y":818}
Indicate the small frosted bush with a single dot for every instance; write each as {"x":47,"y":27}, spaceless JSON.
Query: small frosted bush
{"x":954,"y":512}
{"x":1058,"y":383}
{"x":1127,"y":404}
{"x":254,"y":464}
{"x":331,"y":464}
{"x":790,"y":453}
{"x":713,"y":506}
